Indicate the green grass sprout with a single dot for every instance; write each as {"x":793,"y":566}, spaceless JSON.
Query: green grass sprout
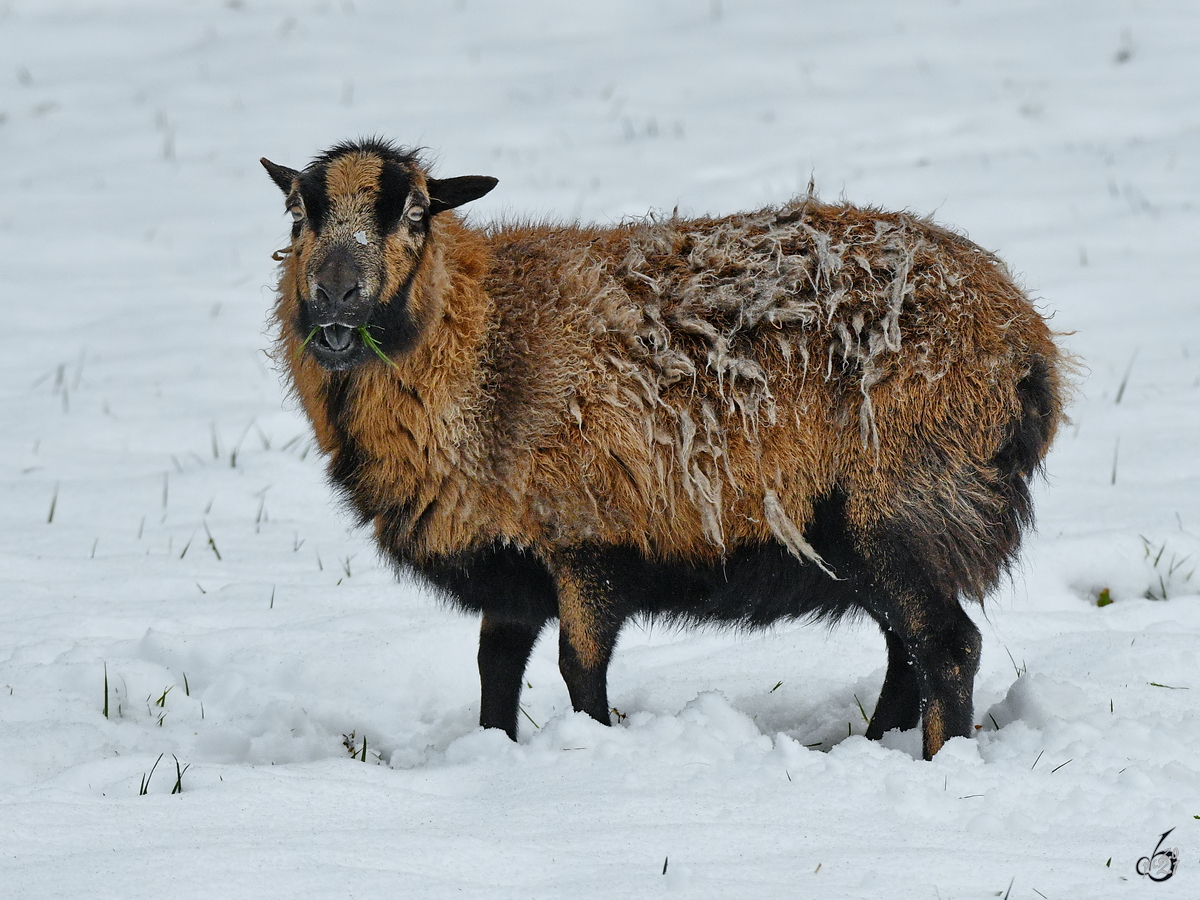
{"x":529,"y":717}
{"x":367,"y":339}
{"x":178,"y":789}
{"x":374,"y":347}
{"x":862,"y":711}
{"x":145,"y":788}
{"x":312,"y":334}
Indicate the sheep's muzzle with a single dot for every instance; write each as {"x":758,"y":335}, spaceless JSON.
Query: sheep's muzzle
{"x":335,"y":311}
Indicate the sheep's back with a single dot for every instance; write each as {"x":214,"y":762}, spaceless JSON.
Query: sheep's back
{"x":690,"y":385}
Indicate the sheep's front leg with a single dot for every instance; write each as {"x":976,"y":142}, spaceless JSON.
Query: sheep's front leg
{"x":589,"y":623}
{"x":504,"y":649}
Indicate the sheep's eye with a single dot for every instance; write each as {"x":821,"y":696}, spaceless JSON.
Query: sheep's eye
{"x":415,"y":213}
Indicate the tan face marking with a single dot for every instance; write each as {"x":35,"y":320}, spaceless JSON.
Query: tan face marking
{"x":352,"y":181}
{"x":351,"y":184}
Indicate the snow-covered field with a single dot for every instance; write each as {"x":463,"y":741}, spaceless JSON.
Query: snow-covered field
{"x":170,"y":553}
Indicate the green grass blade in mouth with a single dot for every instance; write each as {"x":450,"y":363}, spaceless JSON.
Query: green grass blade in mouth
{"x":374,"y":346}
{"x":312,"y":334}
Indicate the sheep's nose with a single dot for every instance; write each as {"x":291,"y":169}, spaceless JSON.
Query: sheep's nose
{"x":334,"y":296}
{"x":337,"y":290}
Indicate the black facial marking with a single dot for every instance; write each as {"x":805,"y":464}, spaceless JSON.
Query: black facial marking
{"x":316,"y":342}
{"x":391,"y":323}
{"x":304,"y":320}
{"x":312,"y":189}
{"x":394,"y":185}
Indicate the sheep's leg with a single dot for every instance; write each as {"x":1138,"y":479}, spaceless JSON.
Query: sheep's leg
{"x":948,"y":660}
{"x":926,"y":629}
{"x":588,"y":630}
{"x":899,"y":703}
{"x":943,"y":644}
{"x":504,"y":649}
{"x":515,"y":592}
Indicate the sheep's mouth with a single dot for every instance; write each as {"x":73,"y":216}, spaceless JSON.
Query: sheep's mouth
{"x":336,"y":338}
{"x":336,"y":346}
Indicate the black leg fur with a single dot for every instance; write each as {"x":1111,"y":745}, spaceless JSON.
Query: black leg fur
{"x":899,"y":703}
{"x":948,"y":658}
{"x":933,"y":647}
{"x":935,"y":635}
{"x":945,"y":657}
{"x":516,"y":595}
{"x":599,"y":586}
{"x":504,"y":649}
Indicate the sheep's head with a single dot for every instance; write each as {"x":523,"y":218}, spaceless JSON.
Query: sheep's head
{"x":361,"y":220}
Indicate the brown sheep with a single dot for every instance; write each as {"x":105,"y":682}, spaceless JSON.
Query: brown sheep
{"x":804,"y":411}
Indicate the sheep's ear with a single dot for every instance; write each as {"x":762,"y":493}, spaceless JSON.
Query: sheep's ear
{"x":447,"y":193}
{"x":281,"y":175}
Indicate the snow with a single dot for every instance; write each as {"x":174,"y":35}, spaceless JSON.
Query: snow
{"x":193,"y":535}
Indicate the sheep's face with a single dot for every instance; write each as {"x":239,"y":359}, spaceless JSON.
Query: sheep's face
{"x":361,"y":217}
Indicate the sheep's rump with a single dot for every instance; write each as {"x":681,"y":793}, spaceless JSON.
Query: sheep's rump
{"x":693,"y":385}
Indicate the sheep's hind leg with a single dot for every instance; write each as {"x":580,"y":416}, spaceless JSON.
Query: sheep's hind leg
{"x":943,"y":644}
{"x":899,"y":704}
{"x":588,"y":630}
{"x":928,"y":631}
{"x":948,"y":658}
{"x":504,"y":649}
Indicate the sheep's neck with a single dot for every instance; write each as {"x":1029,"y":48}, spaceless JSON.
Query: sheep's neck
{"x":413,"y":426}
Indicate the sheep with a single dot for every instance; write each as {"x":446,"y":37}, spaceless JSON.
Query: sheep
{"x":807,"y":411}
